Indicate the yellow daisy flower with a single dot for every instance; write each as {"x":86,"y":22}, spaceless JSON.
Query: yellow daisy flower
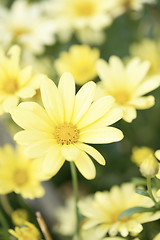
{"x":103,"y":210}
{"x":24,"y":24}
{"x":127,"y":84}
{"x":68,"y":122}
{"x":19,"y":174}
{"x":80,"y":60}
{"x":15,"y":82}
{"x":148,"y":50}
{"x":27,"y":232}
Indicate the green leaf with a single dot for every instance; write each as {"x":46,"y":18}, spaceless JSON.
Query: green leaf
{"x":130,"y":211}
{"x":142,"y":192}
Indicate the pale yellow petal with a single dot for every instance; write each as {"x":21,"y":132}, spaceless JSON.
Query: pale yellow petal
{"x":148,"y":86}
{"x":30,"y":115}
{"x":10,"y":103}
{"x":101,"y":135}
{"x":25,"y":75}
{"x":26,"y":92}
{"x":92,"y":152}
{"x":134,"y":226}
{"x":83,"y":100}
{"x":40,"y":148}
{"x":142,"y":102}
{"x":157,"y":154}
{"x":112,"y":116}
{"x":70,"y":152}
{"x":66,"y":87}
{"x":52,"y":101}
{"x":96,"y":111}
{"x":105,"y":74}
{"x":123,"y":229}
{"x":53,"y":161}
{"x":85,"y":166}
{"x":13,"y":59}
{"x":129,"y":114}
{"x":27,"y":137}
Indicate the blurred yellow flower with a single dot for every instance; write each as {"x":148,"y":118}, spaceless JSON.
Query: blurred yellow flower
{"x":80,"y":60}
{"x":27,"y":232}
{"x":24,"y":24}
{"x":59,"y":132}
{"x":145,"y":159}
{"x":15,"y":82}
{"x":19,"y":216}
{"x":157,"y":237}
{"x":19,"y":174}
{"x":127,"y":84}
{"x":102,"y":212}
{"x":149,"y":50}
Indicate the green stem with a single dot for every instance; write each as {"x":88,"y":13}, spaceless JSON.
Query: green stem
{"x":3,"y":220}
{"x":149,"y":187}
{"x":75,"y":189}
{"x":6,"y":205}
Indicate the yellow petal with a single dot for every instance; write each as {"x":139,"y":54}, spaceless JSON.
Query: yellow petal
{"x":70,"y":152}
{"x":40,"y":148}
{"x":30,"y":115}
{"x":52,"y":101}
{"x":10,"y":103}
{"x":157,"y":154}
{"x":25,"y":76}
{"x":101,"y":135}
{"x":13,"y":60}
{"x":96,"y":111}
{"x":85,"y":166}
{"x":66,"y":87}
{"x":142,"y":102}
{"x":26,"y":92}
{"x":129,"y":114}
{"x":83,"y":100}
{"x":53,"y":161}
{"x":92,"y":152}
{"x":27,"y":137}
{"x":148,"y":86}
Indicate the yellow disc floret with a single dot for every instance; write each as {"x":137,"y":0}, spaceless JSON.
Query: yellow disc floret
{"x":66,"y":134}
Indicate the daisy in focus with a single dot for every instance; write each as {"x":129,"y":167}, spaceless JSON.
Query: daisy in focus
{"x":15,"y":82}
{"x":80,"y":60}
{"x":127,"y":84}
{"x":103,"y":211}
{"x":24,"y":24}
{"x":61,"y":130}
{"x":27,"y":232}
{"x":19,"y":174}
{"x":149,"y":50}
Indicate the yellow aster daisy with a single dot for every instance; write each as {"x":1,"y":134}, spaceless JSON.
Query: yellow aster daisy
{"x":149,"y":50}
{"x":103,"y":210}
{"x":61,"y":130}
{"x":27,"y":232}
{"x":25,"y":25}
{"x":15,"y":82}
{"x":80,"y":60}
{"x":127,"y":84}
{"x":19,"y":174}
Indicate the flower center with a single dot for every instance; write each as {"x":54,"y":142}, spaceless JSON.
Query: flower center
{"x":85,"y":9}
{"x":115,"y":217}
{"x":10,"y":86}
{"x":20,"y":177}
{"x":121,"y":97}
{"x":66,"y":134}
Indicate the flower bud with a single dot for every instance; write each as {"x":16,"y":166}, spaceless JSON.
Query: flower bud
{"x":149,"y":167}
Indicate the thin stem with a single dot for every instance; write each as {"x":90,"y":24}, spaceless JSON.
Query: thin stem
{"x":149,"y":187}
{"x":6,"y":205}
{"x":3,"y":220}
{"x":75,"y":189}
{"x":43,"y":226}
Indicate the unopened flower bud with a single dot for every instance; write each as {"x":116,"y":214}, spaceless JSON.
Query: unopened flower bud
{"x":149,"y":167}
